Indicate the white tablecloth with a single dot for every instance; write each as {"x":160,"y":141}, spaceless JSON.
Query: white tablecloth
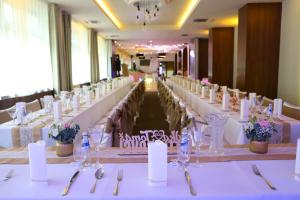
{"x":212,"y":181}
{"x":233,"y":131}
{"x":86,"y":117}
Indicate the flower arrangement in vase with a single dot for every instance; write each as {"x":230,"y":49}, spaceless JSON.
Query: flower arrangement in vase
{"x":259,"y":131}
{"x":64,"y":134}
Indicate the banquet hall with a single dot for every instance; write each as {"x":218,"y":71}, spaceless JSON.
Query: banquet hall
{"x":149,"y":99}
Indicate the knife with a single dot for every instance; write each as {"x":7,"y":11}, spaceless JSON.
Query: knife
{"x":66,"y":190}
{"x":188,"y":180}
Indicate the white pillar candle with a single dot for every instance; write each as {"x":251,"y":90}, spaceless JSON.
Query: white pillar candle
{"x":203,"y":90}
{"x":97,"y":92}
{"x":89,"y":97}
{"x":252,"y":98}
{"x":37,"y":161}
{"x":224,"y":88}
{"x":157,"y":163}
{"x":225,"y":101}
{"x":57,"y":110}
{"x":21,"y":106}
{"x":277,"y":107}
{"x":297,"y":161}
{"x":76,"y":102}
{"x":244,"y":110}
{"x":212,"y":96}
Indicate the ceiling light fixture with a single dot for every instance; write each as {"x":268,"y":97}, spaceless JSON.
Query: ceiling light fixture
{"x":105,"y":8}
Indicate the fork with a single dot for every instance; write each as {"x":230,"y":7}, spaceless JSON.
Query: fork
{"x":257,"y":172}
{"x":119,"y":179}
{"x":9,"y":175}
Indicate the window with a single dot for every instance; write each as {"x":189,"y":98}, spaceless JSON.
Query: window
{"x":25,"y":63}
{"x":105,"y":53}
{"x":80,"y":54}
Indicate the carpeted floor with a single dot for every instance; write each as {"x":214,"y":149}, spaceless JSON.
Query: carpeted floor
{"x":152,"y":115}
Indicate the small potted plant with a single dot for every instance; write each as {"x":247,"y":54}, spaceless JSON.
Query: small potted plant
{"x":64,"y":134}
{"x":258,"y":131}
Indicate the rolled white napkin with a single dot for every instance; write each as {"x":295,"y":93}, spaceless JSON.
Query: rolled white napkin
{"x":212,"y":96}
{"x":76,"y":102}
{"x":203,"y":90}
{"x":297,"y":161}
{"x":277,"y":107}
{"x":225,"y":101}
{"x":157,"y":163}
{"x":21,"y":106}
{"x":244,"y":111}
{"x":57,"y":110}
{"x":37,"y":161}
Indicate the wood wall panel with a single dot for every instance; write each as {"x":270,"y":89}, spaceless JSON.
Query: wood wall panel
{"x":185,"y":58}
{"x":221,"y":41}
{"x":203,"y":58}
{"x":258,"y":48}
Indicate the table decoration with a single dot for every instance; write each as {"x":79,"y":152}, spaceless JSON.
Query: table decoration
{"x":277,"y":111}
{"x":157,"y":163}
{"x":297,"y":161}
{"x":76,"y":102}
{"x":37,"y":162}
{"x":57,"y":110}
{"x":64,"y":134}
{"x":212,"y":96}
{"x":244,"y":111}
{"x":235,"y":103}
{"x":258,"y":131}
{"x":203,"y":91}
{"x":225,"y":101}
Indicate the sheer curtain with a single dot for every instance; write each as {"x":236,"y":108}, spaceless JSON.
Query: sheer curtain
{"x":105,"y":53}
{"x":80,"y":53}
{"x":25,"y":64}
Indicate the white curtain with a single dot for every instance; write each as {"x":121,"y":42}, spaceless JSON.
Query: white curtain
{"x":105,"y":53}
{"x":25,"y":64}
{"x":80,"y":53}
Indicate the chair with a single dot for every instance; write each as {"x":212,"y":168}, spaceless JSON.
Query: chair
{"x":4,"y":116}
{"x":231,"y":91}
{"x":266,"y":101}
{"x":33,"y":106}
{"x":291,"y":111}
{"x":242,"y":95}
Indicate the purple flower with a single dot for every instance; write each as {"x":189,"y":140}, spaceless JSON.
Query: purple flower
{"x":264,"y":123}
{"x":67,"y":125}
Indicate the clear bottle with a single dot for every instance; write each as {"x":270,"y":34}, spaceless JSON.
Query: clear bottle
{"x":184,"y":149}
{"x":86,"y":150}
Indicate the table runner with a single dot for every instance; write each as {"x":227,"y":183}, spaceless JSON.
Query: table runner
{"x":113,"y":155}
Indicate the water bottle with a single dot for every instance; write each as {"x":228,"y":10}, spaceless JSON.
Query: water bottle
{"x":85,"y":150}
{"x":270,"y":110}
{"x":184,"y":147}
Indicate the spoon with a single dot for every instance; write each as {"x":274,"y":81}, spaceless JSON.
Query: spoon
{"x":98,"y":175}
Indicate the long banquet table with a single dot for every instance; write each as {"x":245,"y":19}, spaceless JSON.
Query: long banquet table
{"x":228,"y":180}
{"x":86,"y":117}
{"x":233,"y":130}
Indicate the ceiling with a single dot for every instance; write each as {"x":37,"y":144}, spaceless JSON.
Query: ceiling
{"x":164,"y":30}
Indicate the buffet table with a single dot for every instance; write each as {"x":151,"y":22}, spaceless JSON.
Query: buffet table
{"x":233,"y":130}
{"x":86,"y":117}
{"x":211,"y":180}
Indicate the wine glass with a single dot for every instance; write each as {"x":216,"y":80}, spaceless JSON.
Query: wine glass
{"x":77,"y":152}
{"x":96,"y":135}
{"x":184,"y":148}
{"x":13,"y":115}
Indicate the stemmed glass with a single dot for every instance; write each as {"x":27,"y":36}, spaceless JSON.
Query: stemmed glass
{"x":77,"y":152}
{"x":13,"y":115}
{"x":96,"y":138}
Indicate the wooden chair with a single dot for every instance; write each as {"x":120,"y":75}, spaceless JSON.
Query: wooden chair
{"x":231,"y":91}
{"x":33,"y":106}
{"x":291,"y":111}
{"x":267,"y":101}
{"x":4,"y":116}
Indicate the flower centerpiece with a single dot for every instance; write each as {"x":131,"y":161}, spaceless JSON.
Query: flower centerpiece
{"x":64,"y":134}
{"x":258,"y":131}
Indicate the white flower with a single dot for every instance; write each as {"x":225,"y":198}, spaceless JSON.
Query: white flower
{"x":55,"y":132}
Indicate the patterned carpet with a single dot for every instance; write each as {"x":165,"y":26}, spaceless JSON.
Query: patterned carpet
{"x":152,"y":116}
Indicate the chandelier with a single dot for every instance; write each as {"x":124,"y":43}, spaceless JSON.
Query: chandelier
{"x":147,"y":10}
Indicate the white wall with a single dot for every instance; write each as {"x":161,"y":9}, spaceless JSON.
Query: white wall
{"x":289,"y":62}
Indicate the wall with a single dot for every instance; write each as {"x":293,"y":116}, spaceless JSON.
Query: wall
{"x":289,"y":63}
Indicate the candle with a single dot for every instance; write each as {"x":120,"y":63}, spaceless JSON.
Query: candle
{"x":157,"y":163}
{"x":57,"y":110}
{"x":203,"y":92}
{"x":244,"y":111}
{"x":212,"y":96}
{"x":297,"y":162}
{"x":37,"y":161}
{"x":225,"y":101}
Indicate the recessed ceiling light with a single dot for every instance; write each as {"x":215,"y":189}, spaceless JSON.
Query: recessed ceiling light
{"x":200,"y":20}
{"x":184,"y":35}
